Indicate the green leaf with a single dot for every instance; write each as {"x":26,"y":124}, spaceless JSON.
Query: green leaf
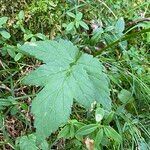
{"x":4,"y":103}
{"x":71,"y":14}
{"x":21,"y":15}
{"x":18,"y":56}
{"x":84,"y":25}
{"x":99,"y":137}
{"x":125,"y":96}
{"x":44,"y":145}
{"x":27,"y":142}
{"x":2,"y":122}
{"x":143,"y":145}
{"x":11,"y":52}
{"x":24,"y":106}
{"x":96,"y":35}
{"x":79,"y":16}
{"x":109,"y":118}
{"x":33,"y":39}
{"x":146,"y":25}
{"x":64,"y":132}
{"x":67,"y":132}
{"x":87,"y":129}
{"x":5,"y":34}
{"x":72,"y":131}
{"x":120,"y":25}
{"x":70,"y":26}
{"x":7,"y":102}
{"x":77,"y":124}
{"x":66,"y":75}
{"x":3,"y":20}
{"x":28,"y":36}
{"x":41,"y":36}
{"x":77,"y":23}
{"x":111,"y":133}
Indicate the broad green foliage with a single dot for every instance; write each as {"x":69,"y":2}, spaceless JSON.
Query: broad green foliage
{"x":116,"y":33}
{"x":30,"y":143}
{"x":27,"y":143}
{"x":66,"y":75}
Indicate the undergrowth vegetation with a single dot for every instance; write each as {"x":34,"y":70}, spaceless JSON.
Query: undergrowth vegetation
{"x":74,"y":74}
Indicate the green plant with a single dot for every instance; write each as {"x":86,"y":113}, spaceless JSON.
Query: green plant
{"x":117,"y":34}
{"x":20,"y":21}
{"x":7,"y":48}
{"x":100,"y":131}
{"x":66,"y":69}
{"x":146,"y":25}
{"x":33,"y":37}
{"x":3,"y":31}
{"x":76,"y":23}
{"x":109,"y":34}
{"x":29,"y":142}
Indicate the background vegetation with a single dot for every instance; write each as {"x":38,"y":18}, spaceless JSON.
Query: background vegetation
{"x":117,"y":32}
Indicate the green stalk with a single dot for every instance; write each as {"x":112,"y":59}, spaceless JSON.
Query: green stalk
{"x":125,"y":37}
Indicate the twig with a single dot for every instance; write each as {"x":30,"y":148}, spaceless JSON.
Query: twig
{"x":132,"y":23}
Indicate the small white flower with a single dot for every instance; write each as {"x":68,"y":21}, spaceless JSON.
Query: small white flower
{"x":98,"y":117}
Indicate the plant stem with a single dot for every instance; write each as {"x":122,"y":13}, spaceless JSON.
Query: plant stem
{"x":123,"y":38}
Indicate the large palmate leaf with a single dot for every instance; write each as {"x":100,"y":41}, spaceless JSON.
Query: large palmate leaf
{"x":66,"y":74}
